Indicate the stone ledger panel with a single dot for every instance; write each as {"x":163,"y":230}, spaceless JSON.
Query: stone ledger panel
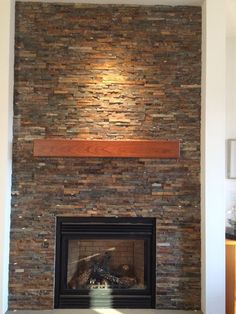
{"x":107,"y":72}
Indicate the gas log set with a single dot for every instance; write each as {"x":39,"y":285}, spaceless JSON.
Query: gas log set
{"x":97,"y":272}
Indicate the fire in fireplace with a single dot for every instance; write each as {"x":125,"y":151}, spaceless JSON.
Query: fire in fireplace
{"x":105,"y":262}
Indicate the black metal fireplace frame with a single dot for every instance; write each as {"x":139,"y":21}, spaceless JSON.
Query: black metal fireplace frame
{"x":105,"y":228}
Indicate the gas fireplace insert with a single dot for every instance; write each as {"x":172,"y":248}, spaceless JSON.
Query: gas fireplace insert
{"x":105,"y":262}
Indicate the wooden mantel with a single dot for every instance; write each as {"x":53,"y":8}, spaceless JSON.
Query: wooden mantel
{"x":106,"y":148}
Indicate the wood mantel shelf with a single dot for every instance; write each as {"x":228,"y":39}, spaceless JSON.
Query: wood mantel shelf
{"x":106,"y":148}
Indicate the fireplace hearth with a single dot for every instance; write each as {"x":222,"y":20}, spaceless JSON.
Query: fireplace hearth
{"x":105,"y":262}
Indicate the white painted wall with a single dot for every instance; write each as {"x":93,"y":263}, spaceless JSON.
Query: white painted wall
{"x":213,"y":158}
{"x":230,"y":110}
{"x":6,"y":75}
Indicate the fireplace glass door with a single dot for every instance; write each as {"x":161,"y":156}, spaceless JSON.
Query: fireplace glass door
{"x":105,"y":262}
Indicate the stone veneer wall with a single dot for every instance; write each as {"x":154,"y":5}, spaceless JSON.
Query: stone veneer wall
{"x":130,"y":72}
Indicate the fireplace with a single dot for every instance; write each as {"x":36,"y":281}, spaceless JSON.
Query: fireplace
{"x":105,"y":262}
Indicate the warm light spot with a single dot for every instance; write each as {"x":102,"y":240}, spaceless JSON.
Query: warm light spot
{"x":109,"y":78}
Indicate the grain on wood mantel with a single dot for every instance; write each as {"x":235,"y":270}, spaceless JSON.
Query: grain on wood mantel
{"x":106,"y":148}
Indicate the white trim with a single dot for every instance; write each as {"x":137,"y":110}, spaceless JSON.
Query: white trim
{"x":203,"y":131}
{"x":213,"y":157}
{"x":231,"y":21}
{"x":6,"y":118}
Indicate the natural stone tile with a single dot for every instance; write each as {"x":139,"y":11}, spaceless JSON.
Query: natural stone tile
{"x":106,"y":72}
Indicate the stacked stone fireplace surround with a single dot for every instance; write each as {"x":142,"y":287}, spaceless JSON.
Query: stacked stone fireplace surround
{"x":106,"y":72}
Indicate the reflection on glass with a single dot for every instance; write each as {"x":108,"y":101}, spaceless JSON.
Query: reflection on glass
{"x":105,"y":264}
